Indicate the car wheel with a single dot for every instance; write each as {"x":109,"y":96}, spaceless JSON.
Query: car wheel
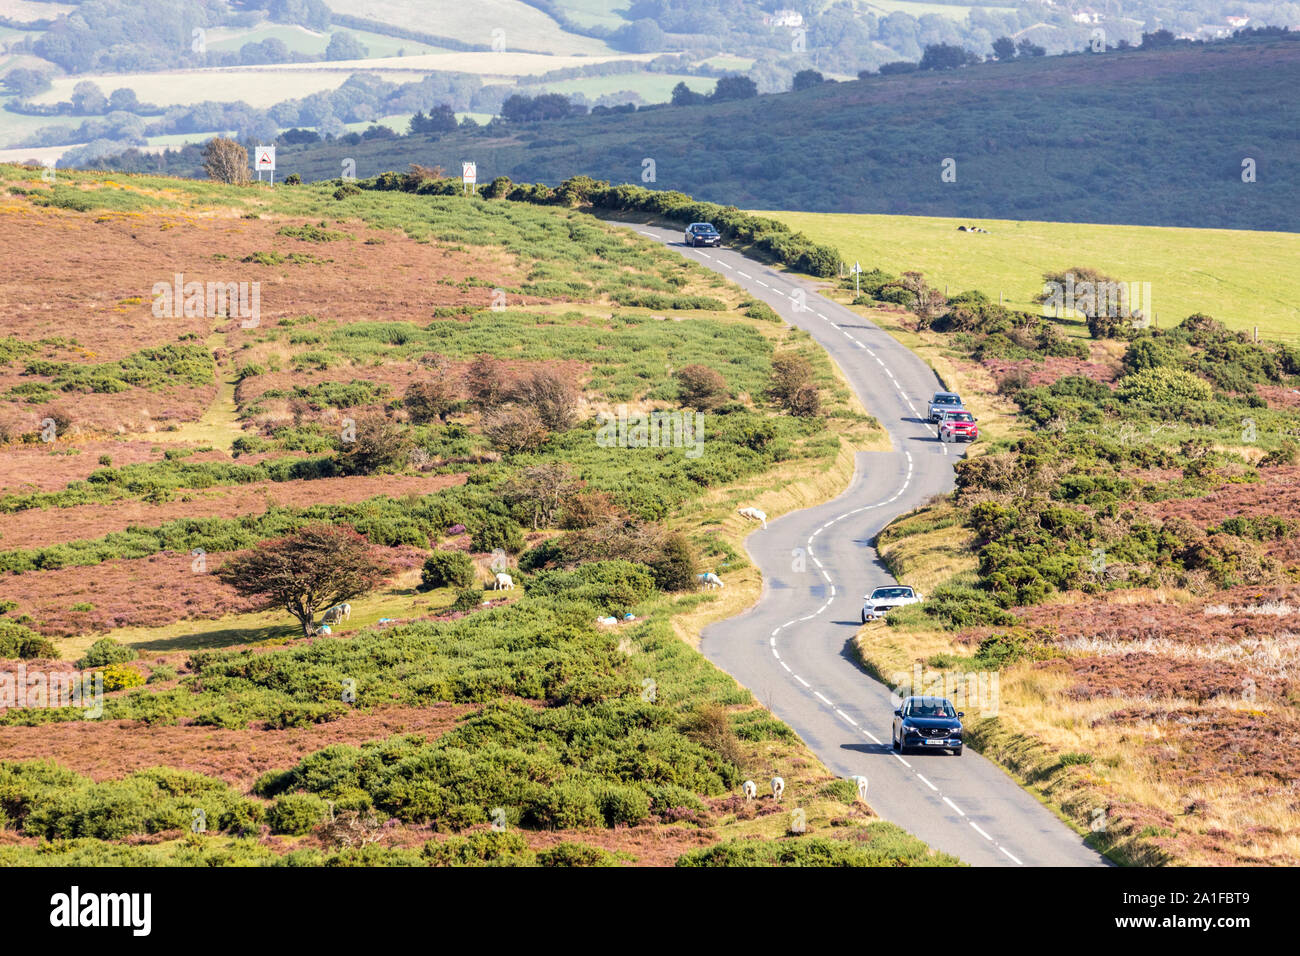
{"x":896,"y":745}
{"x":956,"y":752}
{"x":864,"y":617}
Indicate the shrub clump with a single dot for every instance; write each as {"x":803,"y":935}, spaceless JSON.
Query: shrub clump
{"x":296,"y":813}
{"x":121,"y":677}
{"x":1162,"y":385}
{"x":447,"y":569}
{"x":18,"y":640}
{"x":104,"y":652}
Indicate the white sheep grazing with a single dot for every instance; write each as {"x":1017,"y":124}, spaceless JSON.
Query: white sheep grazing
{"x":750,"y":790}
{"x":339,"y":611}
{"x":504,"y":582}
{"x":755,"y":515}
{"x":778,"y":788}
{"x":709,"y":580}
{"x":861,"y":783}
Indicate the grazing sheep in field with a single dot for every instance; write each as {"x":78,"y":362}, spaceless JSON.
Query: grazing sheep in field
{"x":754,"y":514}
{"x":337,"y":613}
{"x":861,"y":783}
{"x":778,"y":788}
{"x":709,"y":580}
{"x":750,"y":790}
{"x":504,"y":582}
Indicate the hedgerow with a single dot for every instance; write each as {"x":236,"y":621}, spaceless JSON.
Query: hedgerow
{"x":768,"y":236}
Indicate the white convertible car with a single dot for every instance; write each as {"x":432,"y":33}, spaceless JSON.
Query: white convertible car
{"x":884,"y":599}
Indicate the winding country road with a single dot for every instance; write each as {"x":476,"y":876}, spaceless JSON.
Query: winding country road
{"x":793,"y":648}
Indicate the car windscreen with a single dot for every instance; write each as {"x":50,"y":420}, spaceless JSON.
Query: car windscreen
{"x":931,"y":708}
{"x":704,"y":228}
{"x":947,"y":400}
{"x":883,"y":594}
{"x":960,"y":417}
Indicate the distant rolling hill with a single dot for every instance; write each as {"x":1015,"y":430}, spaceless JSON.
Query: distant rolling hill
{"x":1144,"y":137}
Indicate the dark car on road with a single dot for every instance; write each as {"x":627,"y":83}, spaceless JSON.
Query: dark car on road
{"x":927,"y":723}
{"x":944,"y":402}
{"x":702,"y":234}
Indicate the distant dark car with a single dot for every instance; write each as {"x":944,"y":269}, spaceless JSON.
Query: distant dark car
{"x":702,"y":234}
{"x":944,"y":402}
{"x":929,"y":723}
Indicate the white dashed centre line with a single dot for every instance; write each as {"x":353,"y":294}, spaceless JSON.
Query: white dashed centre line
{"x":906,"y":483}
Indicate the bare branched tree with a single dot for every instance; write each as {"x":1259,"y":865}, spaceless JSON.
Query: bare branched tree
{"x":226,"y":161}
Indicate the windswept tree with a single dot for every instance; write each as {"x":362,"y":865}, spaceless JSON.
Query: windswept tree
{"x":926,"y":303}
{"x":436,"y":396}
{"x":441,"y":119}
{"x":226,"y":161}
{"x":515,"y":428}
{"x":946,"y":56}
{"x":23,"y":82}
{"x":553,"y":395}
{"x":805,"y":79}
{"x":312,"y":569}
{"x":88,"y":99}
{"x":485,"y":380}
{"x":701,"y":388}
{"x":373,"y":443}
{"x":1004,"y":48}
{"x":683,"y":95}
{"x":345,"y":46}
{"x":735,"y":88}
{"x":792,"y":386}
{"x":541,"y":491}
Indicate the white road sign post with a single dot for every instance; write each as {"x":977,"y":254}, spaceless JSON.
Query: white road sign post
{"x":857,"y":271}
{"x":469,"y":175}
{"x":264,"y":158}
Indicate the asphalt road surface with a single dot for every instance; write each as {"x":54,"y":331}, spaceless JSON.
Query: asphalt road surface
{"x":793,"y":649}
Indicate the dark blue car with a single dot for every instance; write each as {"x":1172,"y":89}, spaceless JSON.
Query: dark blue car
{"x":702,"y":234}
{"x":927,"y":723}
